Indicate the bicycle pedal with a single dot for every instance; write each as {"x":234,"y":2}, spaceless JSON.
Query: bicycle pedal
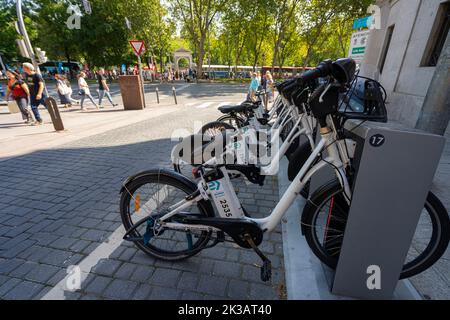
{"x":266,"y":271}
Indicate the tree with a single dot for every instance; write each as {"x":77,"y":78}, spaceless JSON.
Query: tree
{"x":285,"y":13}
{"x":197,"y":17}
{"x":8,"y":33}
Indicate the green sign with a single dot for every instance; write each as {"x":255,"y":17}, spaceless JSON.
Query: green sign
{"x":359,"y":50}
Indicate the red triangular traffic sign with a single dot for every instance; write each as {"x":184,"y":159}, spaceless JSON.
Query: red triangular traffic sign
{"x":138,"y":46}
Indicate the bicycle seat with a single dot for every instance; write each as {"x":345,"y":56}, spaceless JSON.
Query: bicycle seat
{"x":237,"y":108}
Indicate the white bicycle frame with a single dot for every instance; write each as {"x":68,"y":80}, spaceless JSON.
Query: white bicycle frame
{"x":334,"y":158}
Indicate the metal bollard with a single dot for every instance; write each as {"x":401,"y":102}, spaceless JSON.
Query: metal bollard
{"x":157,"y":94}
{"x":174,"y":95}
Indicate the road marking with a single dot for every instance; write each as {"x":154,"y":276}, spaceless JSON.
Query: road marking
{"x":103,"y":251}
{"x":183,"y":87}
{"x":204,"y":105}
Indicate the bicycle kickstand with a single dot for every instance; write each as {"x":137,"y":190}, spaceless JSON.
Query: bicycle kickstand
{"x":266,"y":269}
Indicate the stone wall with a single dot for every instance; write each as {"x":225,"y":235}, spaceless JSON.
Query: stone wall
{"x":405,"y":80}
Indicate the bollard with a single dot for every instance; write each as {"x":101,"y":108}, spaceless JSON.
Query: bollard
{"x":174,"y":95}
{"x":157,"y":94}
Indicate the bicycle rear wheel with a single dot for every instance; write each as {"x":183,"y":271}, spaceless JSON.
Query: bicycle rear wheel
{"x":324,"y":225}
{"x":234,"y":121}
{"x":150,"y":194}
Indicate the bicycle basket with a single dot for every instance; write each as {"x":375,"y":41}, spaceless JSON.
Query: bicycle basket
{"x":365,"y":100}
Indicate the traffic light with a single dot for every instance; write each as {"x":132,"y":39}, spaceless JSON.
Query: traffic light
{"x":40,"y":55}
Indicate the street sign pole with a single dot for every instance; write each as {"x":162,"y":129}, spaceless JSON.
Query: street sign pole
{"x":138,"y":48}
{"x":142,"y":79}
{"x":23,"y":32}
{"x":1,"y":63}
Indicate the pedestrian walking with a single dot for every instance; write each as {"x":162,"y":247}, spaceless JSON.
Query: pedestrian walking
{"x":64,"y":91}
{"x":19,"y":91}
{"x":84,"y":91}
{"x":270,"y":87}
{"x":253,"y":88}
{"x":103,"y":88}
{"x":36,"y":86}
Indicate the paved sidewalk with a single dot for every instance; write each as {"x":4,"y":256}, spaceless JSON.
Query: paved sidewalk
{"x":434,"y":283}
{"x":59,"y":205}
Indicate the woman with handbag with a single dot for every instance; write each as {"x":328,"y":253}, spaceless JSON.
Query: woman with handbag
{"x":84,"y":90}
{"x":20,"y":93}
{"x":64,"y":90}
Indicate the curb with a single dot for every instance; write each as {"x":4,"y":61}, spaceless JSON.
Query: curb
{"x":306,"y":277}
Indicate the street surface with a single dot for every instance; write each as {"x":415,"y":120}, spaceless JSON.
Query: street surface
{"x":60,"y":195}
{"x":59,"y":207}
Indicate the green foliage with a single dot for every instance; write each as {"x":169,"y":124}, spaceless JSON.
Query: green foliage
{"x":230,"y":32}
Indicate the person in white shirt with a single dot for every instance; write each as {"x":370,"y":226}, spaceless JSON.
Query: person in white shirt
{"x":84,"y":90}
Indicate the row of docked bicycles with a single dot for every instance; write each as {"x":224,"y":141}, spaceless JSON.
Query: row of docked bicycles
{"x":175,"y":214}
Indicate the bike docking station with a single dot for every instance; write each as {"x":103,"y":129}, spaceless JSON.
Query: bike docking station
{"x":395,"y":167}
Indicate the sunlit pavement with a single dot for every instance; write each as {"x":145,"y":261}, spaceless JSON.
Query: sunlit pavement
{"x":59,"y":207}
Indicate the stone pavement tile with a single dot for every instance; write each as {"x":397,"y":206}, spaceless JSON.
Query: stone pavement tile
{"x":43,"y":238}
{"x":89,"y":297}
{"x":141,"y":258}
{"x":3,"y":279}
{"x":8,"y":286}
{"x":212,"y":285}
{"x":79,"y":246}
{"x":262,"y":292}
{"x":23,"y":291}
{"x":142,"y":292}
{"x":72,"y":295}
{"x":163,"y":293}
{"x":91,"y":247}
{"x":106,"y":267}
{"x":189,"y":281}
{"x":125,"y":271}
{"x":8,"y":265}
{"x":23,"y":269}
{"x":94,"y":235}
{"x":219,"y":252}
{"x":42,"y":273}
{"x":97,"y":284}
{"x":232,"y":255}
{"x":189,"y":295}
{"x":227,"y":269}
{"x":63,"y":243}
{"x":165,"y":277}
{"x":431,"y":285}
{"x":142,"y":273}
{"x":251,"y":273}
{"x":53,"y":281}
{"x":17,"y":249}
{"x":238,"y":289}
{"x":120,"y":289}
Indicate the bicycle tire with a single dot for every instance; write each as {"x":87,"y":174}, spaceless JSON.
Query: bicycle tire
{"x":434,"y":250}
{"x":217,"y":125}
{"x":176,"y":181}
{"x":235,"y":121}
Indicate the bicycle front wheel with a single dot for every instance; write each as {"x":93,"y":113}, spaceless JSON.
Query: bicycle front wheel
{"x":325,"y":217}
{"x":151,"y":194}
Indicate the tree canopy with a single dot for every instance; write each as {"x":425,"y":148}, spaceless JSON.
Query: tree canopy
{"x":229,"y":32}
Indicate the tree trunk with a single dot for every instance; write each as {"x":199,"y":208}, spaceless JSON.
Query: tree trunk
{"x":201,"y":55}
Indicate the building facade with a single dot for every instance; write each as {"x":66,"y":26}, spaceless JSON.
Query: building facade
{"x":403,"y":54}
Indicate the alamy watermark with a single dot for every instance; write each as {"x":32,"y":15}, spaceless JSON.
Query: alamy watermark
{"x":374,"y":280}
{"x":73,"y":279}
{"x":74,"y":20}
{"x":374,"y":21}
